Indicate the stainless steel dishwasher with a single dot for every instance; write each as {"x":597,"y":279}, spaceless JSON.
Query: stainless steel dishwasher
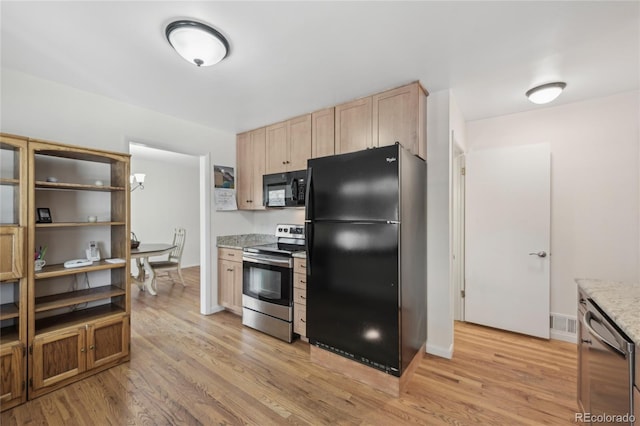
{"x":606,"y":367}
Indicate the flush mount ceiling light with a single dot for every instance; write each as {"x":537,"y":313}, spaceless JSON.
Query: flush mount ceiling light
{"x":545,"y":93}
{"x":197,"y":43}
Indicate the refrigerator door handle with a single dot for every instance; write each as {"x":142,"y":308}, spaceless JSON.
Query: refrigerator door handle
{"x":308,"y":240}
{"x":307,"y":196}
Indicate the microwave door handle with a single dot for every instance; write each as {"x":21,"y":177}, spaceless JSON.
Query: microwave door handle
{"x":294,"y":190}
{"x":586,"y":320}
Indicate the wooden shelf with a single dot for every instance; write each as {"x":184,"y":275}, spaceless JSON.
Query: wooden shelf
{"x":59,"y":270}
{"x":76,"y":224}
{"x":9,"y":335}
{"x":79,"y":317}
{"x":61,"y":300}
{"x":40,"y":184}
{"x":9,"y":181}
{"x":8,"y":311}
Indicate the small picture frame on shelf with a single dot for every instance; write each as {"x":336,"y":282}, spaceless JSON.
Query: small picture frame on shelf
{"x":44,"y":215}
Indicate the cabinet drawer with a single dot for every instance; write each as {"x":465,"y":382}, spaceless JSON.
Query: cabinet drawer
{"x":233,"y":255}
{"x":300,"y":265}
{"x":300,"y":296}
{"x":300,"y":281}
{"x":300,"y":319}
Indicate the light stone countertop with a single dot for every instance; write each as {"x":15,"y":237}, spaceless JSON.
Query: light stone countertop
{"x":244,"y":240}
{"x":300,"y":254}
{"x":621,"y":302}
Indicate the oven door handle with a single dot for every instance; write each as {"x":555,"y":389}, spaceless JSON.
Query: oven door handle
{"x":586,"y":320}
{"x":268,"y":260}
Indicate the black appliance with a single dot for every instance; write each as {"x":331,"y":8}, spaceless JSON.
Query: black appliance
{"x":366,"y":256}
{"x":267,"y":283}
{"x":284,"y":189}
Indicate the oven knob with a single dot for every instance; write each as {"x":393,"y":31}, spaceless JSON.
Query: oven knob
{"x":286,"y":230}
{"x":279,"y":229}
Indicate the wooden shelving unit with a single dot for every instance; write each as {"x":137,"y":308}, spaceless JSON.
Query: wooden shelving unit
{"x":73,"y":311}
{"x":13,"y":270}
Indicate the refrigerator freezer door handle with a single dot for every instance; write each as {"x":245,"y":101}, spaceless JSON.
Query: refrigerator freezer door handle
{"x":307,"y":195}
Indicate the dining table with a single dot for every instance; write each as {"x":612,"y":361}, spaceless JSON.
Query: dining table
{"x":146,"y":275}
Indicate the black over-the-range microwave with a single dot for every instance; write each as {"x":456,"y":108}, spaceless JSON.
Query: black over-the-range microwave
{"x":284,"y":189}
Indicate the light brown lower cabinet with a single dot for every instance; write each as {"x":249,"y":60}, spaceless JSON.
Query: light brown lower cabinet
{"x":59,"y":357}
{"x":300,"y":297}
{"x":230,"y":279}
{"x":12,"y":379}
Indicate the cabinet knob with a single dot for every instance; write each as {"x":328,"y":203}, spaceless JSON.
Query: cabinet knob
{"x":301,"y":320}
{"x":229,"y":270}
{"x":302,"y":297}
{"x":92,"y":347}
{"x":284,"y":162}
{"x":82,"y":349}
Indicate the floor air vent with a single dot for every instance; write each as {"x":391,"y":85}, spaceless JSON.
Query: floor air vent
{"x":563,"y":327}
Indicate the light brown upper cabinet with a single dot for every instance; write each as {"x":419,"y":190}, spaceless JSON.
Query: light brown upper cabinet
{"x":353,"y":126}
{"x":399,"y":116}
{"x":323,"y":128}
{"x":250,"y":153}
{"x":288,"y":145}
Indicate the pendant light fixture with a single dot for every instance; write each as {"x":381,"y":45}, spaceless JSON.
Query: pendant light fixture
{"x":197,"y":43}
{"x":545,"y":93}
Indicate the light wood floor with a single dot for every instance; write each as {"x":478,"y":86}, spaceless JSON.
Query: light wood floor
{"x":189,"y":369}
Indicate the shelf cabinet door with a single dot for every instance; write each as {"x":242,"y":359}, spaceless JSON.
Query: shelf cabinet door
{"x":395,"y":117}
{"x":353,"y":126}
{"x":277,"y":148}
{"x":58,"y":356}
{"x":299,"y":142}
{"x":250,"y":161}
{"x":323,"y":129}
{"x":107,"y":341}
{"x":12,"y":390}
{"x":12,"y":249}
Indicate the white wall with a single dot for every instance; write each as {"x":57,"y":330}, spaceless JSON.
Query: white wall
{"x":170,"y":199}
{"x":594,"y":186}
{"x":43,"y":109}
{"x":439,"y":301}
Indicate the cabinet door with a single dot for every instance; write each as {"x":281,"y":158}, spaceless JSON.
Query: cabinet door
{"x":11,"y":375}
{"x":395,"y":117}
{"x":12,"y":249}
{"x":299,"y":142}
{"x":353,"y":126}
{"x":58,"y":356}
{"x":237,"y":287}
{"x":300,"y":319}
{"x":226,"y":273}
{"x":244,"y":172}
{"x":258,"y":153}
{"x":107,"y":341}
{"x":323,"y":128}
{"x":276,"y":148}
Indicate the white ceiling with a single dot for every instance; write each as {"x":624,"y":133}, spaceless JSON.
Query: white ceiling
{"x":289,"y":58}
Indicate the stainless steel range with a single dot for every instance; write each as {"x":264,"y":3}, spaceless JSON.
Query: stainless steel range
{"x":267,"y":283}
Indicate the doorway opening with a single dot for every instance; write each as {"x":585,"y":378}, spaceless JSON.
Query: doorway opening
{"x":174,"y":195}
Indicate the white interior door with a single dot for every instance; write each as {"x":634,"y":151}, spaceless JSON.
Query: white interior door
{"x":507,"y":218}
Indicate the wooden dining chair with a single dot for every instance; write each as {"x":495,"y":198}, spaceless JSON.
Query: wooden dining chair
{"x":175,"y":257}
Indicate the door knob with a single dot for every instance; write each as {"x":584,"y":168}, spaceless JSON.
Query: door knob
{"x":539,"y":254}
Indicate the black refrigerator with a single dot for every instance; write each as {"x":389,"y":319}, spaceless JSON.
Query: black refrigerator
{"x":365,"y":223}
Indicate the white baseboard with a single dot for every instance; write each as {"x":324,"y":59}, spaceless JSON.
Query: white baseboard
{"x":212,"y":310}
{"x":440,"y":351}
{"x":565,"y":337}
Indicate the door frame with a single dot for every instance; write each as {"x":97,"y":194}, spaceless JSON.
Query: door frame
{"x":457,"y":225}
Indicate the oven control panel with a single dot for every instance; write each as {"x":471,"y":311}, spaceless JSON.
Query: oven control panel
{"x":290,"y":231}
